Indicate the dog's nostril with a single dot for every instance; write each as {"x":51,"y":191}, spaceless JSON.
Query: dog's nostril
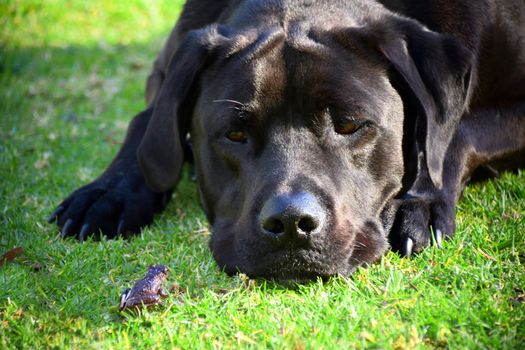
{"x":292,"y":217}
{"x":308,"y":224}
{"x":274,"y":225}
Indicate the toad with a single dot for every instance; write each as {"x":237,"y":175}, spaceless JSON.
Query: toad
{"x":147,"y":291}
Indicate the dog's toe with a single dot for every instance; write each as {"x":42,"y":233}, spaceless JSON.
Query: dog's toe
{"x":121,"y":206}
{"x":420,"y":223}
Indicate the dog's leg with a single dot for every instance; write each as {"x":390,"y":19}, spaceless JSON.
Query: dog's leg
{"x":118,"y":202}
{"x":490,"y":138}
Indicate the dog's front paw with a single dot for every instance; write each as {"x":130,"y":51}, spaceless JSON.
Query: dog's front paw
{"x":112,"y":205}
{"x":420,"y":222}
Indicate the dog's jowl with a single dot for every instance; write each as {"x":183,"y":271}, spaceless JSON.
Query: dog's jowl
{"x":322,"y":132}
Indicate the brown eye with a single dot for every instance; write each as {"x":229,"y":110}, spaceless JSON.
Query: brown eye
{"x":237,"y":136}
{"x":347,"y":127}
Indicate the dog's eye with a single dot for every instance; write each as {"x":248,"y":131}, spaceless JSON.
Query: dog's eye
{"x":237,"y":136}
{"x":347,"y":127}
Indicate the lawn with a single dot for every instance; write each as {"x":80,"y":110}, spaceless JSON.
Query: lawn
{"x":72,"y":75}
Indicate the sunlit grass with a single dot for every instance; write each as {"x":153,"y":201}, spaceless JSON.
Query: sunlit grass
{"x":62,"y":22}
{"x":72,"y":75}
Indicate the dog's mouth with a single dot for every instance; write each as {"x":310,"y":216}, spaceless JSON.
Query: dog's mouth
{"x":338,"y":251}
{"x":296,"y":266}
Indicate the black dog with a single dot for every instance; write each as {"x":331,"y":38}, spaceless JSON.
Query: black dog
{"x":321,"y":131}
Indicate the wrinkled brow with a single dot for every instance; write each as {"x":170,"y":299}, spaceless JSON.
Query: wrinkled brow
{"x":242,"y":110}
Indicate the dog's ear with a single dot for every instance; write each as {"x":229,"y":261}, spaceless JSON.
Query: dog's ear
{"x":437,"y":69}
{"x":160,"y":153}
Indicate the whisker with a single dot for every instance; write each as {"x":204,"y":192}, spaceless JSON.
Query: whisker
{"x":354,"y":259}
{"x":236,"y":108}
{"x":358,"y":244}
{"x":231,"y":101}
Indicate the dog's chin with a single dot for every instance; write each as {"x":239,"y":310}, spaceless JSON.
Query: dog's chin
{"x":299,"y":264}
{"x":290,"y":266}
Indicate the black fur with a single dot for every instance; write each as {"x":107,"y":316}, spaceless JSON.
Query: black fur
{"x":356,"y":126}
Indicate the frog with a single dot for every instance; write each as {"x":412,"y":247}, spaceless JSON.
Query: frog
{"x":147,"y":291}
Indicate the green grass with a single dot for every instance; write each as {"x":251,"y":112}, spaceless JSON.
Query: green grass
{"x":71,"y":76}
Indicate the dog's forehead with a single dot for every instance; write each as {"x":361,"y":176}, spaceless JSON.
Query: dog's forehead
{"x":301,"y":74}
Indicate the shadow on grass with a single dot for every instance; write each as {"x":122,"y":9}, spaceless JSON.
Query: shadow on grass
{"x":64,"y":114}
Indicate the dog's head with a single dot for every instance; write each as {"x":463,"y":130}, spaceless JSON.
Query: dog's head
{"x":303,"y":137}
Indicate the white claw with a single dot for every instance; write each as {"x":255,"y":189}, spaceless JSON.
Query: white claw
{"x":409,"y":245}
{"x":66,"y":228}
{"x":120,"y":228}
{"x":439,"y":238}
{"x":83,"y":232}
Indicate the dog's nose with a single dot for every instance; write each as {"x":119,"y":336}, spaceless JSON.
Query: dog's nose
{"x":293,"y":217}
